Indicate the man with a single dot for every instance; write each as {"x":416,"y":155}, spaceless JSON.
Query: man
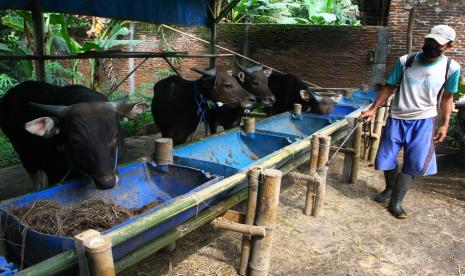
{"x":411,"y":125}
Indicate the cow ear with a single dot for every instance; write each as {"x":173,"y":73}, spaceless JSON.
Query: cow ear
{"x":336,"y":98}
{"x":44,"y":126}
{"x":241,"y":76}
{"x":133,"y":110}
{"x":305,"y":95}
{"x":267,"y":72}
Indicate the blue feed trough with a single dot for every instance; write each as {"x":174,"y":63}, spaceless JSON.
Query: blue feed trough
{"x":365,"y":94}
{"x":355,"y":101}
{"x":140,"y":184}
{"x":289,"y":125}
{"x":228,"y":153}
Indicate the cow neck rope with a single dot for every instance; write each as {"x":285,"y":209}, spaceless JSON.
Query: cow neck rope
{"x":201,"y":111}
{"x":71,"y":167}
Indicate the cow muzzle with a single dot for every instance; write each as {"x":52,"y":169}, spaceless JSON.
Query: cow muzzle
{"x":106,"y":182}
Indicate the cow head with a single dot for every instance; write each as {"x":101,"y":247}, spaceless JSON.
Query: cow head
{"x":255,"y":80}
{"x":91,"y":134}
{"x":318,"y":104}
{"x":220,"y":86}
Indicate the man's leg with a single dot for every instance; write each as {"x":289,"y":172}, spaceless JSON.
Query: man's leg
{"x":398,"y":193}
{"x":419,"y":159}
{"x":386,"y":159}
{"x":390,"y":177}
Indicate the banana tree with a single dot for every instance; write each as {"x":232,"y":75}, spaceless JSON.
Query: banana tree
{"x":106,"y":39}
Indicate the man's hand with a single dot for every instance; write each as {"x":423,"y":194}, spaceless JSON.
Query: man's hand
{"x":368,"y":114}
{"x":441,"y":134}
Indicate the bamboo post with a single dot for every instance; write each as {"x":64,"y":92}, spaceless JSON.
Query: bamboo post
{"x":297,"y":110}
{"x":163,"y":151}
{"x":99,"y":256}
{"x":377,"y":132}
{"x":164,"y":156}
{"x":81,"y":251}
{"x":213,"y":38}
{"x":348,"y":157}
{"x":267,"y":210}
{"x":314,"y":154}
{"x":253,"y":177}
{"x":356,"y":156}
{"x":309,"y":197}
{"x":320,"y":184}
{"x":249,"y":125}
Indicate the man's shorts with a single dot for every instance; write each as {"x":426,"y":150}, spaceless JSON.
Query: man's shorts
{"x":416,"y":137}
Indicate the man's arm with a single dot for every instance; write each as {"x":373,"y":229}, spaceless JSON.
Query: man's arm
{"x":383,"y":95}
{"x":446,"y":104}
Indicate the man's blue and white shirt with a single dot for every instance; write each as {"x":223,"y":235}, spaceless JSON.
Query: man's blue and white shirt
{"x":417,"y":97}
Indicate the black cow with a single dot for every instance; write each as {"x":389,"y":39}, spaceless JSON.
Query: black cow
{"x":61,"y":130}
{"x":178,"y":104}
{"x":289,"y":89}
{"x":255,"y":81}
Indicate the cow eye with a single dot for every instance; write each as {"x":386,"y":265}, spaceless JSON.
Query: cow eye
{"x":74,"y":141}
{"x":228,"y":85}
{"x":255,"y":83}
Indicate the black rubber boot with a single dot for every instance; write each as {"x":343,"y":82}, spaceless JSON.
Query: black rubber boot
{"x":400,"y":190}
{"x":390,"y":177}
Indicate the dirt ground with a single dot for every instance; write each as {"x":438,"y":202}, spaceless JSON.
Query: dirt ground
{"x":356,"y":236}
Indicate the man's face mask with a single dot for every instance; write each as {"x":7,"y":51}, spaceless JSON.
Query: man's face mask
{"x":432,"y":49}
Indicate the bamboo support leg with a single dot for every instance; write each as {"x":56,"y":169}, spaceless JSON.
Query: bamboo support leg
{"x":267,"y":210}
{"x":253,"y":177}
{"x":314,"y":154}
{"x":377,"y":131}
{"x":249,"y":125}
{"x":297,"y":110}
{"x":164,"y":156}
{"x":356,"y":156}
{"x":81,"y":251}
{"x":99,"y":256}
{"x":164,"y":151}
{"x":320,"y":184}
{"x":348,"y":157}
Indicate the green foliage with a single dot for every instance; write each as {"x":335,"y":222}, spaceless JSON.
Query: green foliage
{"x":461,"y":91}
{"x":6,"y":82}
{"x":134,"y":126}
{"x":319,"y":12}
{"x":8,"y":156}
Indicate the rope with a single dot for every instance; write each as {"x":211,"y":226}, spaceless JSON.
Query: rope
{"x":367,"y":135}
{"x":343,"y":142}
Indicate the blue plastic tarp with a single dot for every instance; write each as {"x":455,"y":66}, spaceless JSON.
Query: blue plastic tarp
{"x":176,"y":12}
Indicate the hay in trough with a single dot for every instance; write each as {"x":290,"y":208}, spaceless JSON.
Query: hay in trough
{"x":50,"y":218}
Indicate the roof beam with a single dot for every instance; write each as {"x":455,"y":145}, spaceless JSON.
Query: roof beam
{"x":112,"y":54}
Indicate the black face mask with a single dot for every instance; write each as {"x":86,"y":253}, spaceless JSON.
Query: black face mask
{"x":431,"y":51}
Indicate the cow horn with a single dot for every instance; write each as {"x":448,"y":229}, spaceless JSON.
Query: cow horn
{"x":56,"y":110}
{"x":119,"y":102}
{"x":315,"y":95}
{"x":206,"y":72}
{"x":249,"y":70}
